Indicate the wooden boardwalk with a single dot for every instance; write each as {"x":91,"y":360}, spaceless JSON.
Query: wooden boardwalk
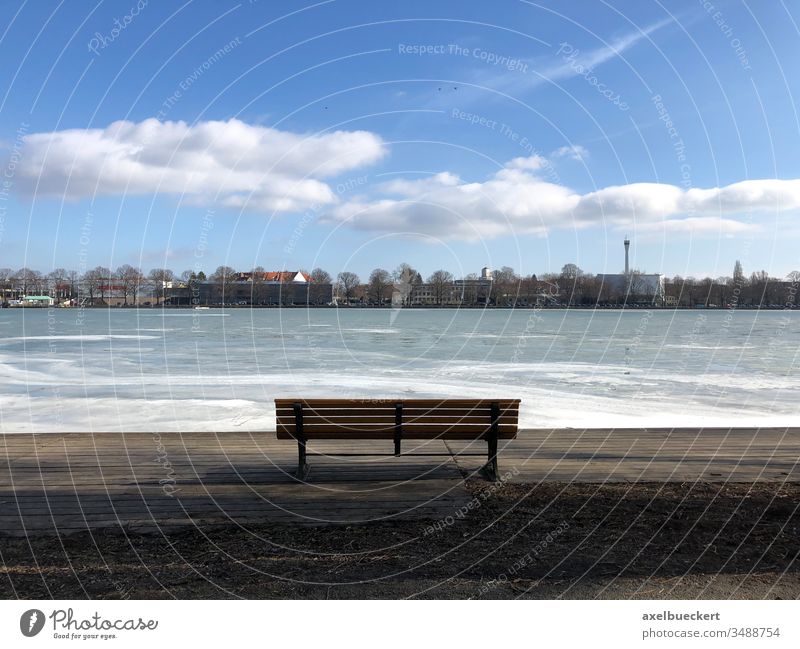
{"x":654,"y":455}
{"x":64,"y":483}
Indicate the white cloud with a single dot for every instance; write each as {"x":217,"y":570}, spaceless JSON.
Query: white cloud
{"x":238,"y":164}
{"x":517,"y":200}
{"x":406,"y":187}
{"x":575,"y":152}
{"x":531,"y":163}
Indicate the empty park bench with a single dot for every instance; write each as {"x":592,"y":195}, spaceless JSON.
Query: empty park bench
{"x":411,"y":419}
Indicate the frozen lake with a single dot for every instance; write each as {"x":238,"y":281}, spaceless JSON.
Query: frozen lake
{"x":110,"y":370}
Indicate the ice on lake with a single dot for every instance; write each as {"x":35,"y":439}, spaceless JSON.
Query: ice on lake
{"x":114,"y":370}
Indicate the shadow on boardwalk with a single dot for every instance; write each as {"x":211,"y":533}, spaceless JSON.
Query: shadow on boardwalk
{"x":649,"y":540}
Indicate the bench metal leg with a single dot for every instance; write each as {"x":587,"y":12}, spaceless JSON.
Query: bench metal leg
{"x":302,"y":465}
{"x":398,"y":427}
{"x":490,"y":469}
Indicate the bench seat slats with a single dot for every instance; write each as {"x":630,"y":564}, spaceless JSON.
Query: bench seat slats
{"x":421,"y":418}
{"x":389,"y":412}
{"x":430,"y":428}
{"x":389,"y":403}
{"x":350,"y":434}
{"x":388,"y":420}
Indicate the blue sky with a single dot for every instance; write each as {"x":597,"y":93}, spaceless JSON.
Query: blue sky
{"x":352,"y":135}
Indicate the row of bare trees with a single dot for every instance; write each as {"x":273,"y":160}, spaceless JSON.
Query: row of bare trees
{"x":96,"y":285}
{"x":572,"y":286}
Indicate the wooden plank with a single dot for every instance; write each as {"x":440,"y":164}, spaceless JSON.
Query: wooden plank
{"x":411,"y":403}
{"x":332,"y":432}
{"x":389,"y":421}
{"x":390,"y":412}
{"x":512,"y":411}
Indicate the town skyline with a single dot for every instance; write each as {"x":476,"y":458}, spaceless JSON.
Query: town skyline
{"x":129,"y":286}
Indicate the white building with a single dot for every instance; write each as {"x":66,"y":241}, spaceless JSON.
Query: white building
{"x":633,"y":286}
{"x":638,"y":287}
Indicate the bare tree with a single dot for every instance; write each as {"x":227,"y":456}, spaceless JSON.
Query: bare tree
{"x":222,"y":278}
{"x":505,"y":285}
{"x":440,"y":281}
{"x":759,"y":282}
{"x":379,"y":283}
{"x":347,"y":283}
{"x":320,"y":290}
{"x":72,"y":279}
{"x":319,"y":276}
{"x":56,"y":280}
{"x":405,"y":279}
{"x":121,"y":283}
{"x":136,"y":279}
{"x":103,"y":278}
{"x":408,"y":271}
{"x":192,"y":280}
{"x":29,"y":280}
{"x":91,"y":283}
{"x":257,"y":286}
{"x":160,"y":279}
{"x":738,"y":273}
{"x":130,"y":280}
{"x":721,"y":286}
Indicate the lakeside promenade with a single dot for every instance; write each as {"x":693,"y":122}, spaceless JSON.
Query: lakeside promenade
{"x":67,"y":483}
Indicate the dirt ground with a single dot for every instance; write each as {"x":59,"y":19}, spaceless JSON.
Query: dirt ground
{"x":639,"y":540}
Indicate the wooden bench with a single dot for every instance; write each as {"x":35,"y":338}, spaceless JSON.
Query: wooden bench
{"x":418,"y":419}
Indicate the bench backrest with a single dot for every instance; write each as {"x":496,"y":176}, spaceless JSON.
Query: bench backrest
{"x":418,"y":418}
